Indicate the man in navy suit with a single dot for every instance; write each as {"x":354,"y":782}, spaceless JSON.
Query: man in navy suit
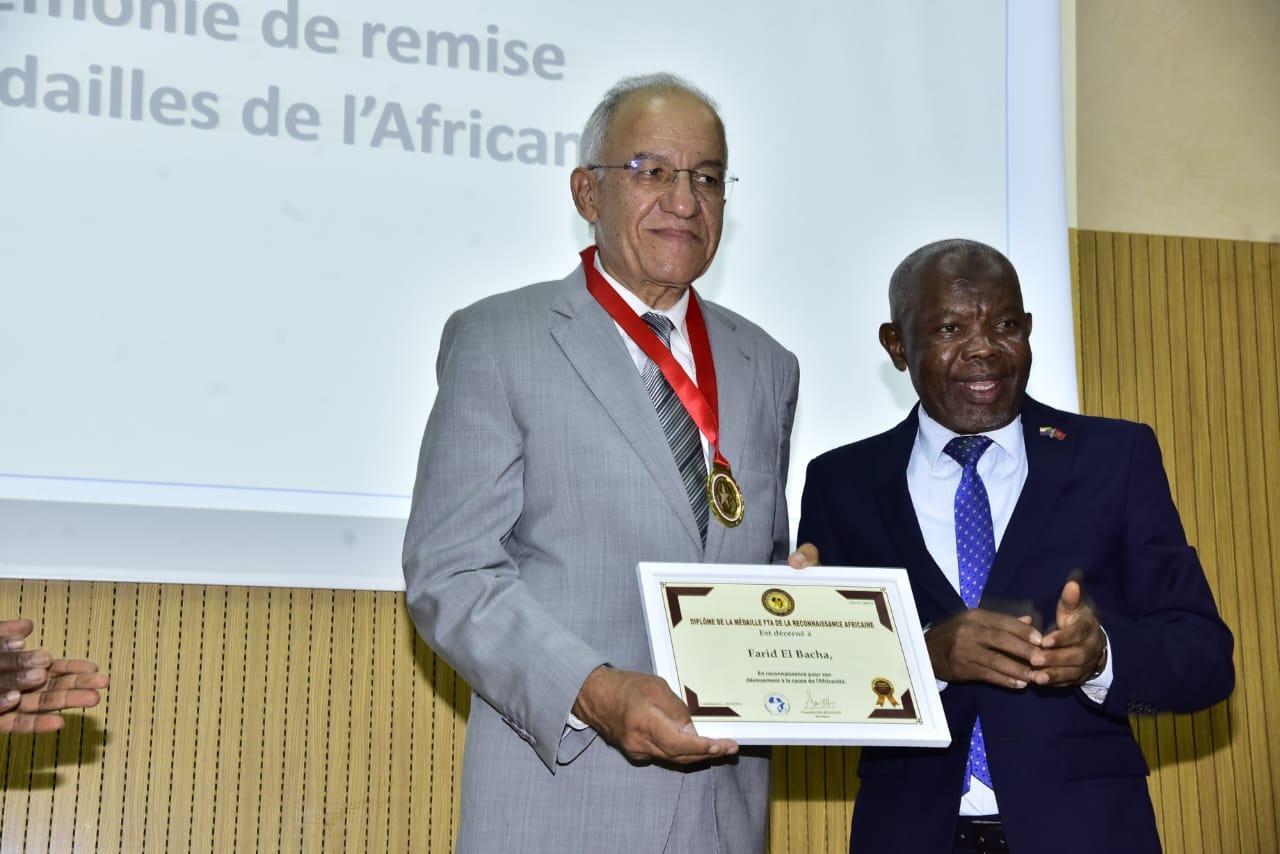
{"x":1092,"y":604}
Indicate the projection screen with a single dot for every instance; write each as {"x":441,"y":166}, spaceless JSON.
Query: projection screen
{"x":232,"y":232}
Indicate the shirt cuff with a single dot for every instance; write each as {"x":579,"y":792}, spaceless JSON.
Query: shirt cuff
{"x":1096,"y":688}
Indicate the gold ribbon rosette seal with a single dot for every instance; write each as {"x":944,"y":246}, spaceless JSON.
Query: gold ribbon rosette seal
{"x":883,"y":689}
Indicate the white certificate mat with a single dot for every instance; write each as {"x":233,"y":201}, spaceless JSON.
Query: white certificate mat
{"x":773,"y":655}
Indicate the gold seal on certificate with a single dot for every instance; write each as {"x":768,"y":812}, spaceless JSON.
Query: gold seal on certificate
{"x":769,"y":655}
{"x":884,"y":690}
{"x":778,"y":602}
{"x":724,"y":496}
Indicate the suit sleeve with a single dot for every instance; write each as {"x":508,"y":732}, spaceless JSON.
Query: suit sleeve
{"x":463,"y":588}
{"x":1171,"y":649}
{"x":815,"y":525}
{"x":790,"y":390}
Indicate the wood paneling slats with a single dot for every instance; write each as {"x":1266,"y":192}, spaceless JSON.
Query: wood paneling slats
{"x":813,"y":791}
{"x":239,"y":719}
{"x":1235,"y":435}
{"x":1218,"y":444}
{"x":1201,"y":368}
{"x":1266,"y":489}
{"x":1142,"y":317}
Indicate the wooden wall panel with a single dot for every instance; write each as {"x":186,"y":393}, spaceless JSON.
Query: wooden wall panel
{"x":258,"y":719}
{"x":812,"y":804}
{"x":1180,"y":333}
{"x":239,"y":719}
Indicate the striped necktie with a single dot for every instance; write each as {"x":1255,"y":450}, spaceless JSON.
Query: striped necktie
{"x":682,"y":433}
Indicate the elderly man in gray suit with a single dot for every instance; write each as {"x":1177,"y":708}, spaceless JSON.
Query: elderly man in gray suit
{"x":576,"y":430}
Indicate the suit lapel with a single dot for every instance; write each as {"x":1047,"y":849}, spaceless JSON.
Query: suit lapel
{"x":736,"y":381}
{"x":1048,"y":466}
{"x":899,"y":519}
{"x":590,"y":341}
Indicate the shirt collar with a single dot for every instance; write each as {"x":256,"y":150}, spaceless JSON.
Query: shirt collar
{"x":933,"y":438}
{"x":676,"y":313}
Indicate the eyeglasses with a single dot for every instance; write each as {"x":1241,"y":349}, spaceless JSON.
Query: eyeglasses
{"x":709,"y":184}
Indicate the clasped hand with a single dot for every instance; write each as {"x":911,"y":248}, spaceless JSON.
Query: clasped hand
{"x":977,"y":645}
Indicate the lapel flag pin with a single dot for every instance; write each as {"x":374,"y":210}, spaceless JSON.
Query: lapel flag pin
{"x":1053,"y":433}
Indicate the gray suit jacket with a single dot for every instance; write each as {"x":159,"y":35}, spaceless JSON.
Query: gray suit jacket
{"x":544,"y":478}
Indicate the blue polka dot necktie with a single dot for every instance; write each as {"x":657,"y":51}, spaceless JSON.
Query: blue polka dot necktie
{"x":975,"y":549}
{"x":682,"y":433}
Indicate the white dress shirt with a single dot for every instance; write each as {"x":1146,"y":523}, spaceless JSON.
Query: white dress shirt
{"x":932,"y":480}
{"x":681,"y":347}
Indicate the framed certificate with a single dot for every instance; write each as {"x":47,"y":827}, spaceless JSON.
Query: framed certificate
{"x":774,"y":655}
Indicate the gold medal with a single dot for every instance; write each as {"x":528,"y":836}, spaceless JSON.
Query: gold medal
{"x":724,"y":496}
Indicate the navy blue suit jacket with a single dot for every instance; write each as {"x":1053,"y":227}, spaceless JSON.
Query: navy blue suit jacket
{"x":1068,"y":772}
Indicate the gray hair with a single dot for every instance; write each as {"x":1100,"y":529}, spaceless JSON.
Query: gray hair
{"x":591,"y":144}
{"x":903,"y":282}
